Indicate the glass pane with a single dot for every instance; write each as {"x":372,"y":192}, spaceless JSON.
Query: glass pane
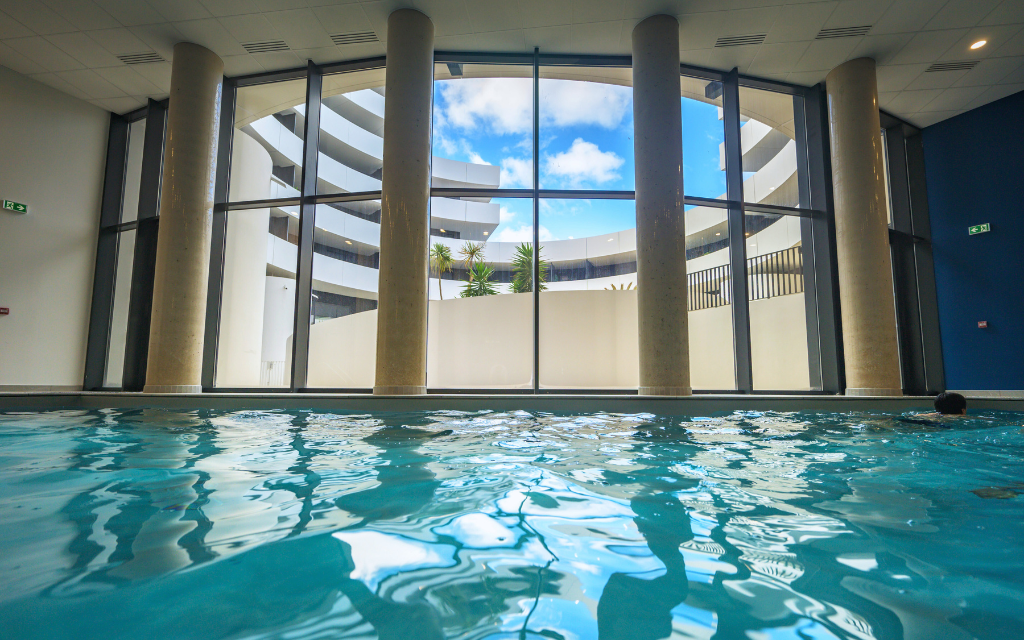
{"x":119,"y":317}
{"x":885,"y":176}
{"x":483,"y":126}
{"x":266,"y":158}
{"x":351,"y":132}
{"x":703,"y":138}
{"x":778,"y":321}
{"x":480,"y":328}
{"x":586,"y":128}
{"x":767,"y":135}
{"x":346,"y":259}
{"x":133,"y":171}
{"x":588,"y":316}
{"x":709,"y":279}
{"x":258,"y":301}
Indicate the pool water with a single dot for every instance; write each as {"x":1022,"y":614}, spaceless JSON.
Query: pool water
{"x":261,"y":524}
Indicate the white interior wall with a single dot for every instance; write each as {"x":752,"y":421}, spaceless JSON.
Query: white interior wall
{"x":54,"y":149}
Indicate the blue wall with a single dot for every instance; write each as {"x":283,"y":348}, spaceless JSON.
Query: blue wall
{"x":975,"y":171}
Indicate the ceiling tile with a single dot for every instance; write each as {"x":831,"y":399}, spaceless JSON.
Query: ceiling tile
{"x":300,"y":29}
{"x":118,"y":41}
{"x":545,"y":13}
{"x":954,"y":99}
{"x":92,"y":84}
{"x":928,"y":118}
{"x":84,"y":14}
{"x":450,"y":16}
{"x":120,"y":105}
{"x":179,"y":10}
{"x":159,"y":37}
{"x":701,"y":30}
{"x":989,"y":72}
{"x":961,"y":13}
{"x":211,"y":34}
{"x":806,"y":78}
{"x":494,"y":16}
{"x":827,"y":54}
{"x":128,"y":80}
{"x":240,"y":65}
{"x":696,"y":57}
{"x":1013,"y":47}
{"x":936,"y":80}
{"x":250,"y":28}
{"x":996,"y":37}
{"x":997,"y":92}
{"x":84,"y":49}
{"x":854,"y":13}
{"x":279,"y":60}
{"x":800,"y":22}
{"x":1009,"y":12}
{"x":60,"y":84}
{"x":881,"y":49}
{"x":38,"y":17}
{"x":280,"y":5}
{"x":511,"y":40}
{"x":377,"y":13}
{"x":913,"y":101}
{"x":19,"y":62}
{"x":733,"y":57}
{"x":928,"y":46}
{"x":640,"y":10}
{"x":346,"y":18}
{"x":131,"y":12}
{"x":356,"y":51}
{"x":156,"y":73}
{"x":599,"y":37}
{"x":1014,"y":77}
{"x":219,"y":8}
{"x":906,"y":16}
{"x":44,"y":53}
{"x":322,"y":55}
{"x":11,"y":28}
{"x":549,"y":39}
{"x":885,"y":98}
{"x":597,"y":10}
{"x":897,"y":77}
{"x":777,"y":58}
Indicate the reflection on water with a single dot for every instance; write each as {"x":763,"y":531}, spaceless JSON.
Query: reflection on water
{"x":161,"y":524}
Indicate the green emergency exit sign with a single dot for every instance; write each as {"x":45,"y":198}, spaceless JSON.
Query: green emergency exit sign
{"x":11,"y":205}
{"x":978,"y":228}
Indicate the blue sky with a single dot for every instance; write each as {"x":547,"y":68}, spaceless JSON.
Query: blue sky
{"x":586,"y":142}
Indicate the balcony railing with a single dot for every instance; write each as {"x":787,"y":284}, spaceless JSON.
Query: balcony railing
{"x":774,"y":274}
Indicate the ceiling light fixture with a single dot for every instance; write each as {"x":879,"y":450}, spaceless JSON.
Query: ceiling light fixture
{"x":979,"y":44}
{"x":486,"y":233}
{"x":348,"y":242}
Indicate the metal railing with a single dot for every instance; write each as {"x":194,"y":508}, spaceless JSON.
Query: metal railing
{"x":774,"y":274}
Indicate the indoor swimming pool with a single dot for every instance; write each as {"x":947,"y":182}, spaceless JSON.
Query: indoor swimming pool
{"x":204,"y":524}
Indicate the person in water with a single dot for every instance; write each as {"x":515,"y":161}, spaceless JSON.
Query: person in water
{"x":947,"y":404}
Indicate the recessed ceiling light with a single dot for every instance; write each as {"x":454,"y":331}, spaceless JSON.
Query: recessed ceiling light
{"x":348,"y":242}
{"x":610,"y":239}
{"x":718,"y":234}
{"x":979,"y":44}
{"x":442,"y":230}
{"x":486,"y":232}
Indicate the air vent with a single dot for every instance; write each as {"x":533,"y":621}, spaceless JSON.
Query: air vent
{"x":267,"y":46}
{"x":843,"y":32}
{"x":356,"y":37}
{"x":145,"y":57}
{"x":965,"y":65}
{"x":739,"y":41}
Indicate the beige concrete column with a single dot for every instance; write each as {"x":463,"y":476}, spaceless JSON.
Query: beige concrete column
{"x":186,"y":210}
{"x":862,"y":232}
{"x":660,"y":233}
{"x":405,"y":207}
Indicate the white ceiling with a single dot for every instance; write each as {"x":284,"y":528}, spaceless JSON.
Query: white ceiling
{"x":72,"y":44}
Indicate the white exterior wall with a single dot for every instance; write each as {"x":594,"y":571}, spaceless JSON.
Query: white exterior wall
{"x":53,"y":161}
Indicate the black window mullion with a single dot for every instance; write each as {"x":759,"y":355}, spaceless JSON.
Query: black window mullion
{"x":307,"y":213}
{"x":737,"y":237}
{"x":536,"y":220}
{"x":219,"y":233}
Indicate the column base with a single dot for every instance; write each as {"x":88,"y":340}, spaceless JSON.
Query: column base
{"x":400,"y":390}
{"x":173,"y":388}
{"x":666,"y":391}
{"x":866,"y":391}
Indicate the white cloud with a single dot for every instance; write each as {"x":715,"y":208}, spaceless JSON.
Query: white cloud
{"x":522,"y":233}
{"x":566,"y":103}
{"x":504,"y":215}
{"x":476,"y":158}
{"x":503,"y":104}
{"x":583,"y":162}
{"x":516,"y":172}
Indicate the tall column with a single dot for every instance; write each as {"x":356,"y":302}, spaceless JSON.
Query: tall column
{"x":862,"y":231}
{"x":405,"y":207}
{"x":660,"y":231}
{"x":186,"y":210}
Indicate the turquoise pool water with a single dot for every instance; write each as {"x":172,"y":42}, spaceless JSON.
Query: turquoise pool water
{"x":293,"y":525}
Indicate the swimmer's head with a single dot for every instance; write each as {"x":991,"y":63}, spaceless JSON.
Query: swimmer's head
{"x":952,"y":404}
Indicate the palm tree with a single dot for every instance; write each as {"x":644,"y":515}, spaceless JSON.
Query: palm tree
{"x":441,"y":261}
{"x":471,"y":253}
{"x":479,"y":282}
{"x":621,"y":287}
{"x":522,"y":268}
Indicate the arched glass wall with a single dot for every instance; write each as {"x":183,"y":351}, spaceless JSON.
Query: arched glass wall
{"x":294,"y":230}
